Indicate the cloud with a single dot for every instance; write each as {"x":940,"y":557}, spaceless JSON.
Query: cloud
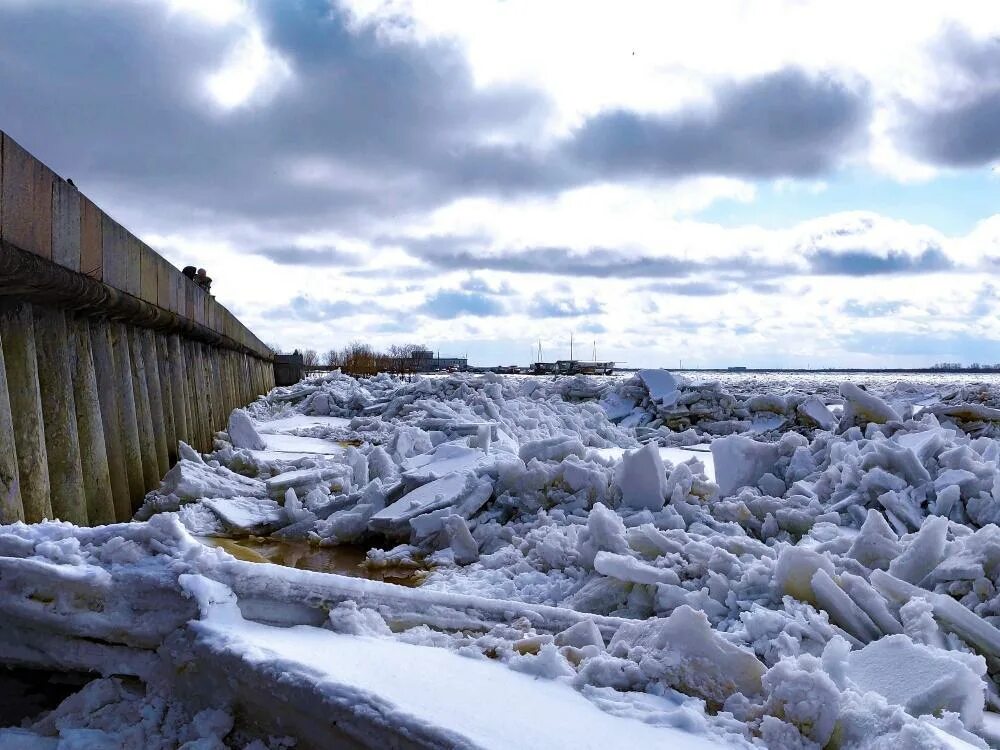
{"x":958,"y":127}
{"x":689,"y":288}
{"x":305,"y":308}
{"x":367,"y":123}
{"x":868,"y":263}
{"x":933,"y":345}
{"x":450,"y":303}
{"x":459,"y":253}
{"x":545,"y":306}
{"x":861,"y":243}
{"x":363,"y":121}
{"x":484,"y":286}
{"x":785,"y":123}
{"x":878,"y":309}
{"x":298,"y":256}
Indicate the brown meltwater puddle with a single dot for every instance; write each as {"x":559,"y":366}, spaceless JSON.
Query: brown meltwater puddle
{"x":345,"y":559}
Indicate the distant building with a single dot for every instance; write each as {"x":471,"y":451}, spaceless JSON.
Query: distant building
{"x":579,"y":367}
{"x":545,"y":368}
{"x":423,"y":360}
{"x":288,"y":368}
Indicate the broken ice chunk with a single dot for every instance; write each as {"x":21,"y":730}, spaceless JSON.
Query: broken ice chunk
{"x":876,"y":545}
{"x":922,"y":680}
{"x":741,"y":462}
{"x":687,"y":653}
{"x":582,"y":634}
{"x":795,"y":569}
{"x":642,"y":478}
{"x":862,"y":406}
{"x":662,"y":386}
{"x":923,"y":553}
{"x":460,"y":539}
{"x":250,"y":515}
{"x":617,"y":407}
{"x":552,"y":449}
{"x":446,"y":459}
{"x":626,"y":568}
{"x":192,"y":480}
{"x":816,"y":411}
{"x":301,"y":480}
{"x":842,"y":609}
{"x":440,"y":493}
{"x":242,"y":433}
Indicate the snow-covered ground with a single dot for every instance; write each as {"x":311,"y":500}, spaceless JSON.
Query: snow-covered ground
{"x":771,"y":561}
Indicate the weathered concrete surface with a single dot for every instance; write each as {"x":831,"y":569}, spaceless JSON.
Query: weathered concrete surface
{"x":113,"y":253}
{"x":11,"y":508}
{"x":162,"y":354}
{"x":90,"y":427}
{"x":65,"y":225}
{"x":155,"y":395}
{"x":26,"y":206}
{"x":62,"y":444}
{"x":109,"y":396}
{"x":17,"y":330}
{"x":91,"y":239}
{"x":91,"y":409}
{"x":128,"y":414}
{"x":140,"y":386}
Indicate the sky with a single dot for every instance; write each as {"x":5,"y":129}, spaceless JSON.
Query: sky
{"x":769,"y":183}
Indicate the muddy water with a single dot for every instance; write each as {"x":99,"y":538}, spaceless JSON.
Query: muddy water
{"x":345,"y":559}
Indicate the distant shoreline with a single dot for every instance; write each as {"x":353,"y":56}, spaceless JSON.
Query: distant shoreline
{"x":844,"y":370}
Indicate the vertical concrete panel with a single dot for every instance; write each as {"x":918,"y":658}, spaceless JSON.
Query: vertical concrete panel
{"x":222,"y":365}
{"x":155,"y":393}
{"x":91,"y":239}
{"x":11,"y":509}
{"x":17,"y":329}
{"x":114,"y":253}
{"x":239,"y":367}
{"x":220,"y":415}
{"x":232,"y":401}
{"x":178,"y":388}
{"x":65,"y":225}
{"x":26,"y":207}
{"x":128,"y":414}
{"x":247,"y":382}
{"x":266,"y":375}
{"x":90,"y":427}
{"x":62,"y":445}
{"x":164,"y":291}
{"x":166,"y":396}
{"x":258,"y":376}
{"x":190,"y":411}
{"x":207,"y":391}
{"x":190,"y":407}
{"x":177,"y":303}
{"x":202,"y":398}
{"x":110,"y":398}
{"x":149,"y":287}
{"x":147,"y":441}
{"x":133,"y":264}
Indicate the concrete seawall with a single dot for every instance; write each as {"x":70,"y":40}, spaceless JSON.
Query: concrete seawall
{"x":108,"y":355}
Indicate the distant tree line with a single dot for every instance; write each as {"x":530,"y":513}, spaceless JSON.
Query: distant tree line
{"x":959,"y":367}
{"x":359,"y":358}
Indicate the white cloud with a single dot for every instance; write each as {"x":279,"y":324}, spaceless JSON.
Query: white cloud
{"x":252,"y":73}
